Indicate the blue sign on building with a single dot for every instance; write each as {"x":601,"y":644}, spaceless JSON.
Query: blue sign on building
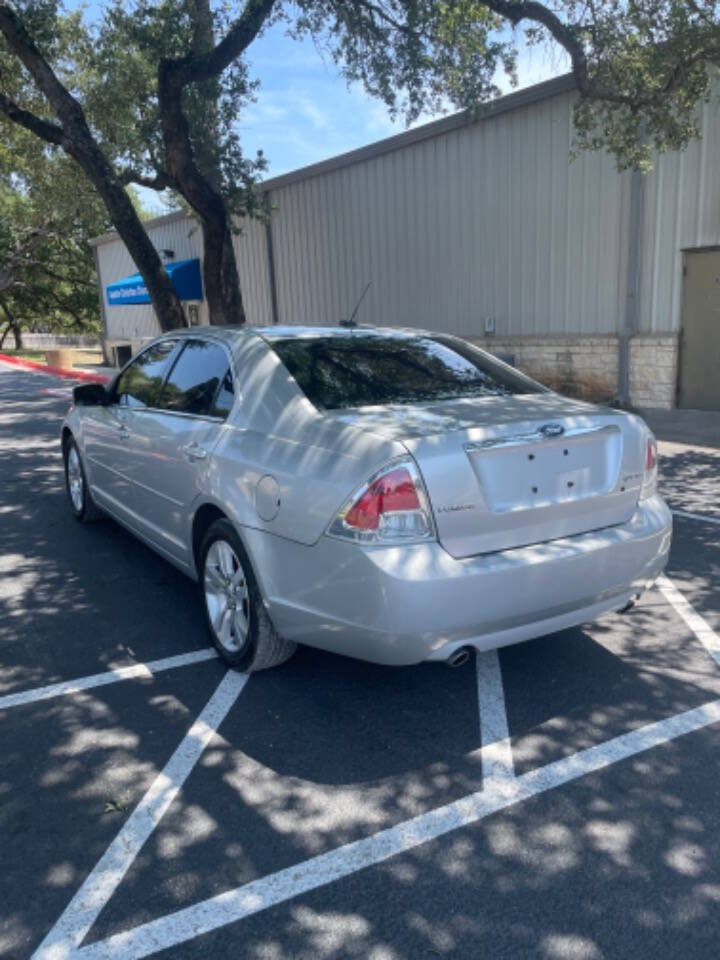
{"x":185,"y":277}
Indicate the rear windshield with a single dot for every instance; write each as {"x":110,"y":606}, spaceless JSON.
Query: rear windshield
{"x":362,"y":369}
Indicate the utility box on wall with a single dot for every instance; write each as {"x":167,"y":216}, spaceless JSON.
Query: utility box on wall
{"x":192,"y":312}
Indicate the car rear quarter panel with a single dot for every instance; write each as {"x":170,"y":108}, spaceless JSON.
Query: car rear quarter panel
{"x":276,"y":432}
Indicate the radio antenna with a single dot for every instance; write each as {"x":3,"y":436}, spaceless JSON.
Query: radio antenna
{"x":351,"y":321}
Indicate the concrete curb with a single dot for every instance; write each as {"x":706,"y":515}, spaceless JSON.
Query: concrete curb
{"x":54,"y":371}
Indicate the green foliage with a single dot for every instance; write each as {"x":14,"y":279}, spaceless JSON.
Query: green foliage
{"x":642,"y":66}
{"x":119,"y":94}
{"x":415,"y":55}
{"x":48,"y":212}
{"x":649,"y":66}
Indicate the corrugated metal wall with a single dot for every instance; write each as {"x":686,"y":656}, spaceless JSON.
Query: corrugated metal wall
{"x":486,"y":220}
{"x":682,"y":211}
{"x":250,"y":246}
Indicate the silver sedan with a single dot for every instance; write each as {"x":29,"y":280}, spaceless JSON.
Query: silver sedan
{"x":392,"y":495}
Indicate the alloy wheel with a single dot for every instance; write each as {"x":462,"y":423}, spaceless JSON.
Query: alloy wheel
{"x":227,"y":596}
{"x":75,"y":479}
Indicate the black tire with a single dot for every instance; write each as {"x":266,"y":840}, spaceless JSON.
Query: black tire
{"x":260,"y":648}
{"x":83,"y":506}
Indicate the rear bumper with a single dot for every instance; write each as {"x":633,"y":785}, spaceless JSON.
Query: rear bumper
{"x":403,"y":605}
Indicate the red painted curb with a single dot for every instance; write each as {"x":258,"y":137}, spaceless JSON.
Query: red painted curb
{"x":54,"y":371}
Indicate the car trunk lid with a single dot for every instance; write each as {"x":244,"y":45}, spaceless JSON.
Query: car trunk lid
{"x":508,"y":472}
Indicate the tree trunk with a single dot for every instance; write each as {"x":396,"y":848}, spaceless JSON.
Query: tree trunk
{"x":195,"y":176}
{"x":13,"y":324}
{"x":220,"y":275}
{"x":167,"y":306}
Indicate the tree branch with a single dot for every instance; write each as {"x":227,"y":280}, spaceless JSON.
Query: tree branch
{"x":76,"y":281}
{"x":569,"y":37}
{"x":518,"y":10}
{"x":18,"y":261}
{"x":193,"y":68}
{"x":376,"y":10}
{"x":24,"y":48}
{"x":49,"y":132}
{"x":160,"y":182}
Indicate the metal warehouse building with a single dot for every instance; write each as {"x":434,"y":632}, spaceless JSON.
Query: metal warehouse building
{"x":592,"y":279}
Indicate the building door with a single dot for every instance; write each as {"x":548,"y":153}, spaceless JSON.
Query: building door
{"x":699,"y":371}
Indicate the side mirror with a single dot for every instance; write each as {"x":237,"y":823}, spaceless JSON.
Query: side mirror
{"x":90,"y":395}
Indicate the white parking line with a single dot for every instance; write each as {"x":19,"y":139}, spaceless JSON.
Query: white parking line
{"x":110,"y":676}
{"x":496,"y":748}
{"x":82,"y":911}
{"x":696,"y":516}
{"x":699,"y":625}
{"x":500,"y":790}
{"x":326,"y":868}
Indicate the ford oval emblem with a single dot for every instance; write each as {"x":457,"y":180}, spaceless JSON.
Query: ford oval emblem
{"x":552,"y":430}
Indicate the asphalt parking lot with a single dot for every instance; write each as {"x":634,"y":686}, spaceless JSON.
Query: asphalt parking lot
{"x":559,"y":800}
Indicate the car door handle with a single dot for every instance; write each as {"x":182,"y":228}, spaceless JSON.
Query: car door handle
{"x":193,"y":451}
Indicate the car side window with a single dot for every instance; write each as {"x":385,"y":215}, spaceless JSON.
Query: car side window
{"x":200,"y":381}
{"x":225,"y":396}
{"x":139,"y":385}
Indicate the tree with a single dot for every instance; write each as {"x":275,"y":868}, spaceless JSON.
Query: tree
{"x":156,"y":97}
{"x":641,"y":68}
{"x":48,"y":212}
{"x":69,"y":128}
{"x":178,"y":136}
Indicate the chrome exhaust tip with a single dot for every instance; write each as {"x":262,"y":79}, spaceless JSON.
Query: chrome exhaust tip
{"x":458,"y":658}
{"x":630,"y":604}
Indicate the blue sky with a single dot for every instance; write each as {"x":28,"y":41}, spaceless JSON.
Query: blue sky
{"x":305,"y":111}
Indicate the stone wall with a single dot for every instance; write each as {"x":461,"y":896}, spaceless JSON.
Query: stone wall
{"x":653,"y":371}
{"x":587,"y":367}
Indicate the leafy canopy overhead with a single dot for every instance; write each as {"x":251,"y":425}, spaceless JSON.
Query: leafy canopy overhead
{"x":641,"y":66}
{"x":120,"y":96}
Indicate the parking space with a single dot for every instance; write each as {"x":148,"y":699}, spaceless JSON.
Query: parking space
{"x":558,"y":800}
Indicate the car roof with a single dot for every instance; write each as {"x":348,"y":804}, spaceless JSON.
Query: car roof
{"x":232,"y":332}
{"x":310,"y":333}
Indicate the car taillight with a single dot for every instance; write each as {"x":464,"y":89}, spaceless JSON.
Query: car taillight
{"x":649,"y":484}
{"x":651,"y":455}
{"x":392,"y":507}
